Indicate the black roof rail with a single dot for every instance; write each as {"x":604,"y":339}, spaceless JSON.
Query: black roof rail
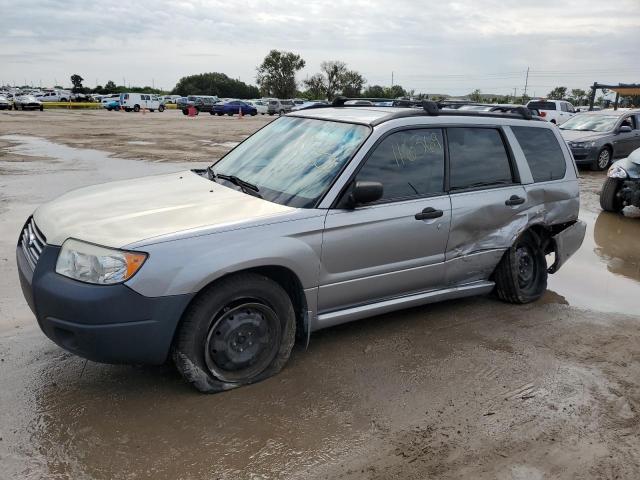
{"x":427,"y":107}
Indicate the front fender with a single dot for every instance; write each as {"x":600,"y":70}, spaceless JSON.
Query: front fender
{"x":188,"y":265}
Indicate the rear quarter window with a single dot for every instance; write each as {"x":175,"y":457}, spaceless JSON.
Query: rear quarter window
{"x":543,"y":153}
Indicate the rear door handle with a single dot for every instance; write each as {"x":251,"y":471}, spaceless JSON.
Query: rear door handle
{"x":515,"y":200}
{"x":428,"y":213}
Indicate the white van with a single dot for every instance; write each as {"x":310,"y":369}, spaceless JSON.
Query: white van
{"x":139,"y":101}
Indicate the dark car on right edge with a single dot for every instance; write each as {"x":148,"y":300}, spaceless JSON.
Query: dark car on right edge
{"x":596,"y":138}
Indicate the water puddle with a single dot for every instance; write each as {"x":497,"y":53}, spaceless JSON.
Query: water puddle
{"x":604,"y":274}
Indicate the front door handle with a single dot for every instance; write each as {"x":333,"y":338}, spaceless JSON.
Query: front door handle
{"x":428,"y":213}
{"x":515,"y":200}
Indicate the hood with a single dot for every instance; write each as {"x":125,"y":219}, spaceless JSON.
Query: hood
{"x":578,"y":136}
{"x":635,"y":156}
{"x":119,"y":213}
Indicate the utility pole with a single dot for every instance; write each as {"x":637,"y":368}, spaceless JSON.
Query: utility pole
{"x":392,"y":78}
{"x":526,"y":83}
{"x":515,"y":90}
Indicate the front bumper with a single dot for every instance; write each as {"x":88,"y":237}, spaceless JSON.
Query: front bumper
{"x":584,"y":155}
{"x":567,"y":242}
{"x":110,"y":324}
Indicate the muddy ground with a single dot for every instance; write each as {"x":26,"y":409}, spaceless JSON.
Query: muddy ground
{"x":471,"y":388}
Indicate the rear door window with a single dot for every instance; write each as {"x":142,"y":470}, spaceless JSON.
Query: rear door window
{"x":542,"y":151}
{"x":408,"y":163}
{"x":477,"y":158}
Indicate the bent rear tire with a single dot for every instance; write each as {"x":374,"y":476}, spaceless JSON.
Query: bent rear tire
{"x":238,"y":331}
{"x":603,"y":160}
{"x":521,"y":275}
{"x":610,"y":200}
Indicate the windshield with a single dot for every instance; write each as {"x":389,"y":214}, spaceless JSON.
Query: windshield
{"x":294,"y":160}
{"x":591,"y":123}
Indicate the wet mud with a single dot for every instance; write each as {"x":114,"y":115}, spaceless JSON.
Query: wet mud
{"x":472,"y":388}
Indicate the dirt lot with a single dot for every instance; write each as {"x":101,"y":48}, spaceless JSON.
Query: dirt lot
{"x":472,"y":389}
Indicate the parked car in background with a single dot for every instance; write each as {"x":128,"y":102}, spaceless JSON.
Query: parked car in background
{"x":170,"y":98}
{"x":27,"y":102}
{"x":55,"y":96}
{"x":554,"y":111}
{"x":111,"y":104}
{"x":234,"y":107}
{"x":4,"y":103}
{"x":138,"y":101}
{"x":321,"y":217}
{"x":200,"y":104}
{"x":279,"y":107}
{"x":259,"y":105}
{"x":622,"y":186}
{"x":596,"y":138}
{"x":307,"y":104}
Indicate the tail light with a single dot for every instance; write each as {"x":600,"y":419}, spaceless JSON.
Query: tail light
{"x":543,"y":114}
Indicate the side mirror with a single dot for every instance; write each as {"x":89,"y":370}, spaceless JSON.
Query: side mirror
{"x":625,"y":129}
{"x":364,"y":192}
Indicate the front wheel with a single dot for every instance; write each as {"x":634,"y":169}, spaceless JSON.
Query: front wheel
{"x":610,"y":200}
{"x":281,"y":112}
{"x":161,"y":108}
{"x":603,"y":160}
{"x":136,"y":108}
{"x":521,"y":275}
{"x":238,"y":331}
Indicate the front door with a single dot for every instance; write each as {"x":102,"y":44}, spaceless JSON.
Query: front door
{"x":396,"y":245}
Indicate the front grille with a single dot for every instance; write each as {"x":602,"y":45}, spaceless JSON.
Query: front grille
{"x":32,"y":242}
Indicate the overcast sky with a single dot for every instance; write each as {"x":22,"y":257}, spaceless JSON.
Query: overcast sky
{"x":431,"y":46}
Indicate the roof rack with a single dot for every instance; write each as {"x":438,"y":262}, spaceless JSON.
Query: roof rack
{"x":424,"y":107}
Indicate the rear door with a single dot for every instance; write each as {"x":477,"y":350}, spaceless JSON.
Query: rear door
{"x":396,"y":245}
{"x":488,"y":202}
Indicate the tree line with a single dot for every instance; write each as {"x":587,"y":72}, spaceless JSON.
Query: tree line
{"x":276,"y":77}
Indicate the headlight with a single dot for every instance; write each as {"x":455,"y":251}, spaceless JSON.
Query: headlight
{"x":582,"y":144}
{"x":616,"y":171}
{"x":94,"y":264}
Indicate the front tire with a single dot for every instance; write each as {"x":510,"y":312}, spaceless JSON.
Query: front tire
{"x":521,"y":275}
{"x":610,"y":200}
{"x":603,"y":160}
{"x":161,"y":108}
{"x":136,"y":108}
{"x":238,"y":331}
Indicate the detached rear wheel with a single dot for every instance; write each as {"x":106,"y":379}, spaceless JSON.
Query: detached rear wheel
{"x":610,"y":200}
{"x":238,"y":331}
{"x":521,"y":275}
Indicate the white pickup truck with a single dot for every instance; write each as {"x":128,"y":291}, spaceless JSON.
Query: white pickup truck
{"x":554,"y":111}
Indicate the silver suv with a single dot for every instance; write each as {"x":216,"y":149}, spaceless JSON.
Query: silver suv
{"x":324,"y":216}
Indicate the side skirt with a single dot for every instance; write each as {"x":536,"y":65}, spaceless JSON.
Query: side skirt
{"x":325,"y":320}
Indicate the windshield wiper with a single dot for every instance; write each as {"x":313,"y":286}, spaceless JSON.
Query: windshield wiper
{"x":246,"y":187}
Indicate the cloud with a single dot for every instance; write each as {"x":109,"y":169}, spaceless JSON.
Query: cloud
{"x":430,"y":46}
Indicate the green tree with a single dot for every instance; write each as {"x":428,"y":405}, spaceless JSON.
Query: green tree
{"x":315,"y":87}
{"x":557,"y":93}
{"x":352,"y":83}
{"x":578,"y":96}
{"x":76,"y":81}
{"x":335,"y":78}
{"x":277,"y":73}
{"x":110,"y":87}
{"x":214,"y":84}
{"x":374,"y":91}
{"x":396,"y":91}
{"x":475,"y":96}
